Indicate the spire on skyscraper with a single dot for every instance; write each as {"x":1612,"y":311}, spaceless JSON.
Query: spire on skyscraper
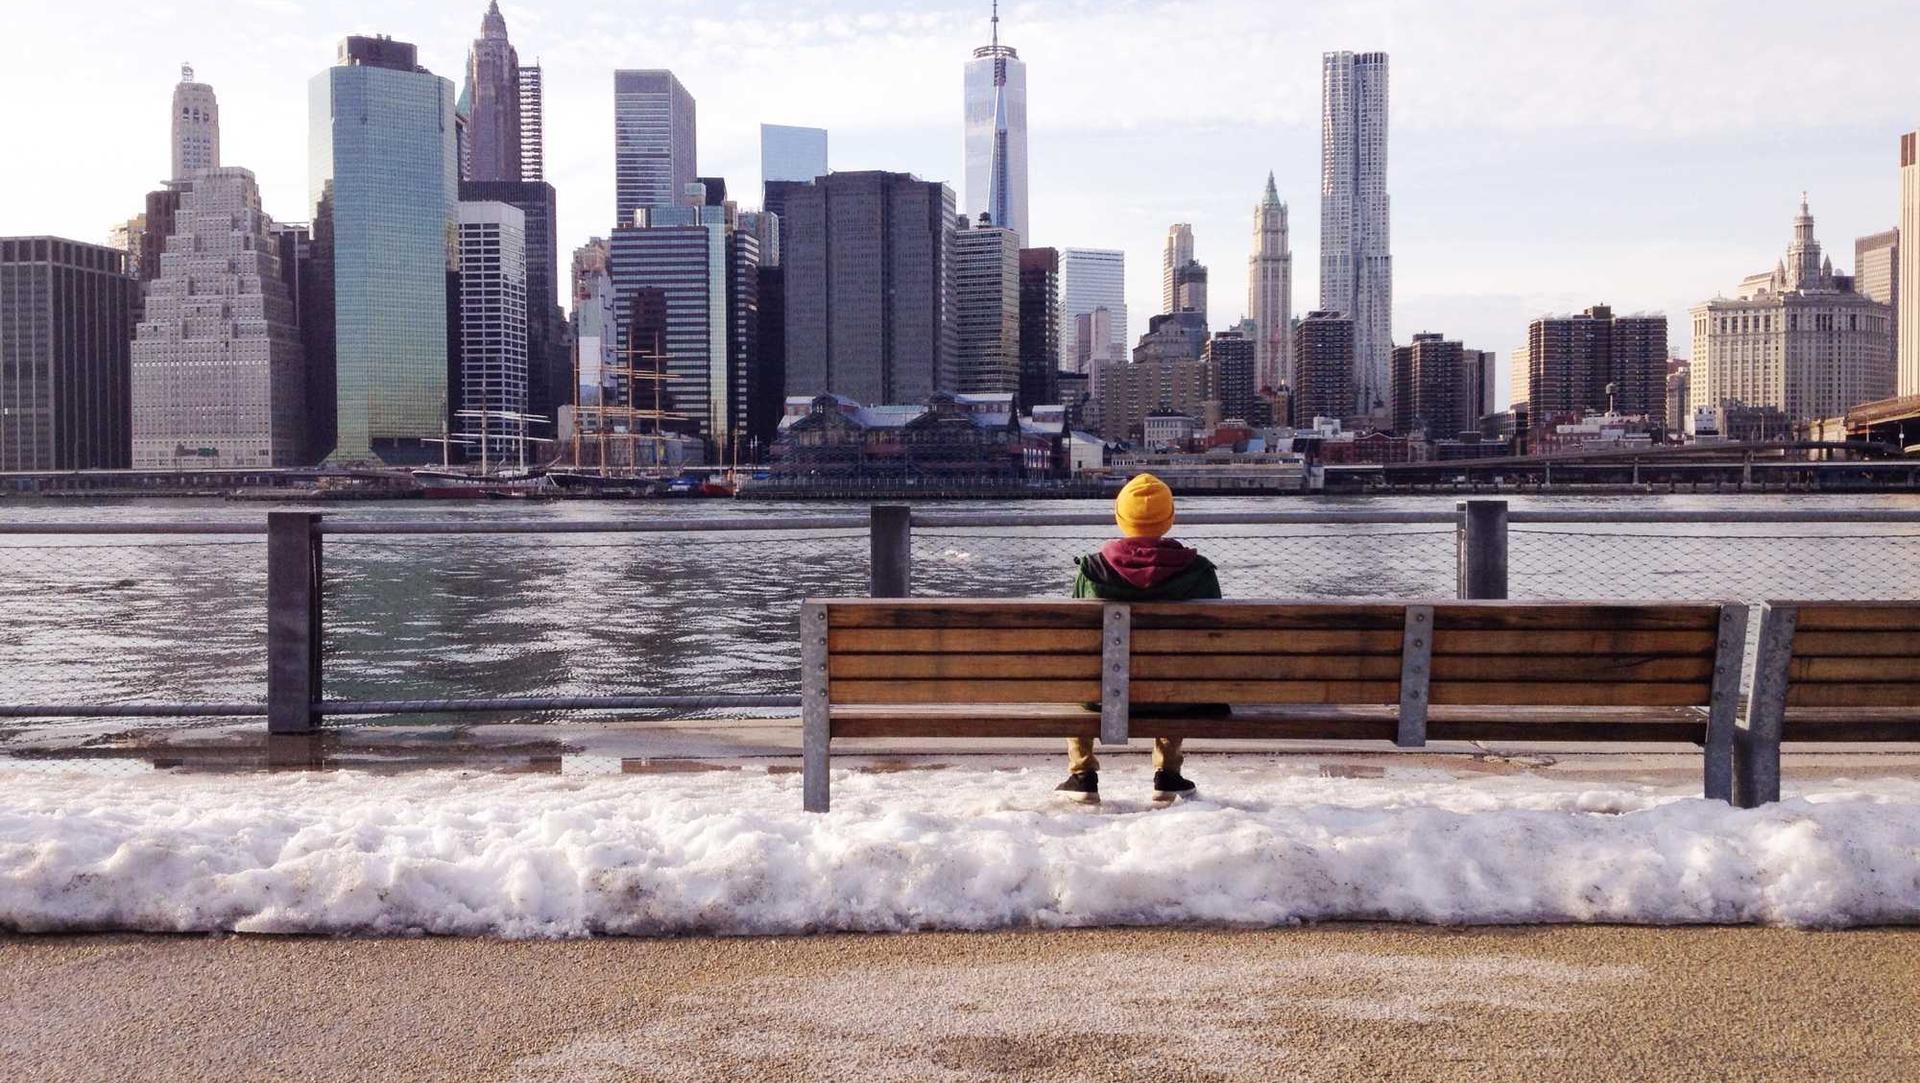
{"x":1273,"y":192}
{"x":493,"y":24}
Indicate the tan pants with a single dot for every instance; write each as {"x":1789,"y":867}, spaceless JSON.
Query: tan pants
{"x":1166,"y":754}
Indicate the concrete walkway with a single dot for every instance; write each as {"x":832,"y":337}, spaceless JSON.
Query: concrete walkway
{"x":1328,"y":1003}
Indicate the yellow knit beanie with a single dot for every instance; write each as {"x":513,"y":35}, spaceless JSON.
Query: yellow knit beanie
{"x":1144,"y":509}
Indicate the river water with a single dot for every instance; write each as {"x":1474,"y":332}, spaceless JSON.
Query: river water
{"x":157,"y":618}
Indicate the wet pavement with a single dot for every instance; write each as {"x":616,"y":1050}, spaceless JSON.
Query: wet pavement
{"x":773,"y":744}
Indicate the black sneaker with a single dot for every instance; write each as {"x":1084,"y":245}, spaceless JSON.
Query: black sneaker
{"x":1081,"y":786}
{"x":1169,"y":786}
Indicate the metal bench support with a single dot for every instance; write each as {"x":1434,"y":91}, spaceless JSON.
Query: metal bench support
{"x":816,"y":720}
{"x":1416,"y":676}
{"x":1723,"y":709}
{"x":1756,"y":779}
{"x":1116,"y":651}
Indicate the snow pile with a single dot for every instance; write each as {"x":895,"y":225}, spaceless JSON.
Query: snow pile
{"x":731,"y":852}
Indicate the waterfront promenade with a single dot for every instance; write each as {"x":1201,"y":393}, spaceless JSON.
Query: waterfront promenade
{"x":1322,"y":1004}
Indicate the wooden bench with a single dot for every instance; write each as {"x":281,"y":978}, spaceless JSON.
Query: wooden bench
{"x":1828,"y":671}
{"x":1405,"y":672}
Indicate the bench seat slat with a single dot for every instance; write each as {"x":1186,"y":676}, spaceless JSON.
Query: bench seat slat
{"x":1833,"y":724}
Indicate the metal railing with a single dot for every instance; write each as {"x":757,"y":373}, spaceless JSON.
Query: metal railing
{"x":310,"y":621}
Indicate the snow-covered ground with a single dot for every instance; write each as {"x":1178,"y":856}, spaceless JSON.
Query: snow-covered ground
{"x":948,"y":848}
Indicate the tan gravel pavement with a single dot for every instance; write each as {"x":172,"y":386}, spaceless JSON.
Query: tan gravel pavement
{"x":1327,"y":1003}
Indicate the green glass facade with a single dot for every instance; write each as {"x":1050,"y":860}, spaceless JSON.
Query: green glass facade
{"x":384,"y":176}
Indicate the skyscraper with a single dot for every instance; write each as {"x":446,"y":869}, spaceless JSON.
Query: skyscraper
{"x":653,"y":142}
{"x":1040,"y":360}
{"x":533,"y":124}
{"x":986,"y":290}
{"x":1093,"y":278}
{"x":218,"y":372}
{"x":1175,"y":256}
{"x":1797,"y":338}
{"x":996,"y":134}
{"x":385,"y":183}
{"x":492,"y":97}
{"x":1270,"y":291}
{"x":1322,"y":367}
{"x":1876,"y":272}
{"x":788,"y":153}
{"x":869,"y":287}
{"x":1356,"y":260}
{"x":1432,"y":390}
{"x":1594,"y":361}
{"x":549,"y":358}
{"x":1908,"y":318}
{"x":1231,"y":356}
{"x":707,"y":270}
{"x":196,"y":127}
{"x":66,"y":317}
{"x":493,"y":331}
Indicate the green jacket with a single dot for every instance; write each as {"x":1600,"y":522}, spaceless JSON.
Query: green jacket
{"x":1117,"y":575}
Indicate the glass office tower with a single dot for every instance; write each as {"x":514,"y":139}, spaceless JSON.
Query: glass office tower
{"x":384,"y":180}
{"x":788,"y":153}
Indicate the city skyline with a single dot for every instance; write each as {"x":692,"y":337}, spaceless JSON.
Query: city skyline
{"x":1516,"y":192}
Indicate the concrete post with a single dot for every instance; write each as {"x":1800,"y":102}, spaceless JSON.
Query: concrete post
{"x":1483,"y":549}
{"x":293,"y":622}
{"x":890,"y":558}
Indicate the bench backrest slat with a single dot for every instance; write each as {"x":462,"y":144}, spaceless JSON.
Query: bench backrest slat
{"x":925,"y":650}
{"x":1853,"y":654}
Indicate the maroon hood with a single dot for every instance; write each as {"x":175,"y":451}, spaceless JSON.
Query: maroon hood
{"x":1147,"y":562}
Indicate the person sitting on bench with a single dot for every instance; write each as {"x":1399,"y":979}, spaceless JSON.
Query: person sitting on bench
{"x":1142,"y":565}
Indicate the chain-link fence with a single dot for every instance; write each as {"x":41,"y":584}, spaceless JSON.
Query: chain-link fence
{"x":541,"y":615}
{"x":132,"y":620}
{"x":163,"y":622}
{"x":1291,"y":561}
{"x":1748,"y":562}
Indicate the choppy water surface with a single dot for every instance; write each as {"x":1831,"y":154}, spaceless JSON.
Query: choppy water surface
{"x":88,"y":619}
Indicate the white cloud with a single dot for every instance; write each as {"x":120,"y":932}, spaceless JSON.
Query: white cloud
{"x":1539,"y":148}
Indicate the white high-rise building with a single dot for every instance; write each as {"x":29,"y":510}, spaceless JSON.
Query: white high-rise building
{"x":996,"y":134}
{"x":196,"y":127}
{"x":1356,"y":261}
{"x":986,"y":290}
{"x":219,"y":378}
{"x":1908,"y":322}
{"x":493,"y":331}
{"x":1092,"y":278}
{"x":1174,"y":258}
{"x":596,"y":333}
{"x":1797,"y":338}
{"x":1270,"y":292}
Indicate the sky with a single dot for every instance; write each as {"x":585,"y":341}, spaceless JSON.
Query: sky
{"x":1544,"y":156}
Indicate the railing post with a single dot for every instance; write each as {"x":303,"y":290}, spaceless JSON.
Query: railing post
{"x":1483,"y":549}
{"x":293,"y":622}
{"x":890,"y":561}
